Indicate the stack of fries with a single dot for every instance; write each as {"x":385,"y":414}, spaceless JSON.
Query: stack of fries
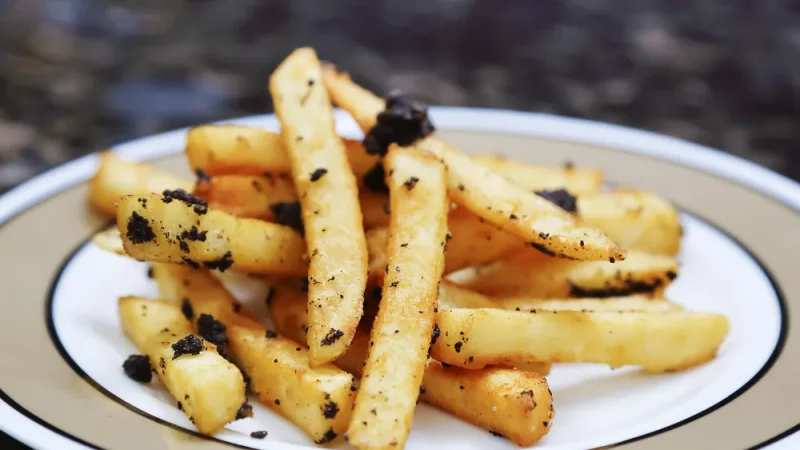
{"x":427,"y":273}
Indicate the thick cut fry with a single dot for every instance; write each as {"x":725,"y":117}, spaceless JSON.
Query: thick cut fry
{"x":246,"y":196}
{"x":208,"y":389}
{"x":635,"y":220}
{"x":328,"y":195}
{"x":665,"y":341}
{"x":400,"y":334}
{"x":514,"y":403}
{"x":534,"y":274}
{"x":116,"y":178}
{"x":452,"y":295}
{"x":234,"y":149}
{"x":169,"y":229}
{"x":241,"y":150}
{"x":486,"y":193}
{"x":318,"y":400}
{"x":534,"y":177}
{"x":494,"y":398}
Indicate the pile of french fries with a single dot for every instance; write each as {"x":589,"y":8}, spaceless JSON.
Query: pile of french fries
{"x":422,"y":274}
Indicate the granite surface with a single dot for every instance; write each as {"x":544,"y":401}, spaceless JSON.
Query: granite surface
{"x":80,"y":75}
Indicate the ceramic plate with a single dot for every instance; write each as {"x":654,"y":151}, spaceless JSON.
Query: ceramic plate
{"x":60,"y":369}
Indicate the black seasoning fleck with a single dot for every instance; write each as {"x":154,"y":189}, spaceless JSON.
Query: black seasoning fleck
{"x":139,"y":230}
{"x":330,"y":410}
{"x":612,"y":260}
{"x":435,"y":334}
{"x":394,"y":283}
{"x":183,"y":246}
{"x":329,"y":436}
{"x":353,"y":388}
{"x":569,"y":165}
{"x":375,"y":179}
{"x":180,"y":405}
{"x":402,"y":122}
{"x":461,"y":187}
{"x":258,"y":434}
{"x":150,"y":272}
{"x":137,"y":368}
{"x":191,"y":345}
{"x":201,"y":175}
{"x":304,"y":285}
{"x":458,"y":346}
{"x":186,"y":308}
{"x":410,"y":183}
{"x":631,"y":287}
{"x":193,"y":235}
{"x":244,"y":411}
{"x":332,"y":336}
{"x":271,"y":334}
{"x":672,"y":275}
{"x":404,"y":244}
{"x":277,"y":402}
{"x":288,"y":214}
{"x":213,"y":331}
{"x":561,"y":198}
{"x":422,"y":390}
{"x":319,"y":173}
{"x":199,"y":205}
{"x":495,"y":433}
{"x":190,"y":263}
{"x":222,"y":264}
{"x":461,"y":387}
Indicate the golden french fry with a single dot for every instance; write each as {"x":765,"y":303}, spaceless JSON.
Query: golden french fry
{"x":242,"y":150}
{"x":494,"y":398}
{"x":534,"y":274}
{"x":246,"y":196}
{"x":208,"y":389}
{"x":318,"y":400}
{"x":513,"y":403}
{"x":235,"y":149}
{"x":116,"y":178}
{"x":635,"y":220}
{"x":535,"y":177}
{"x":452,"y":295}
{"x":486,"y":193}
{"x":178,"y":228}
{"x":110,"y":241}
{"x":328,"y":196}
{"x":663,"y":341}
{"x":399,"y":341}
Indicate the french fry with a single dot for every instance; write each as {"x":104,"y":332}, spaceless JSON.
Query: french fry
{"x":318,"y":400}
{"x":247,"y":196}
{"x":534,"y":177}
{"x":116,"y":178}
{"x":242,"y":150}
{"x":208,"y":389}
{"x":234,"y":149}
{"x":328,"y":196}
{"x":178,"y":228}
{"x":635,"y":220}
{"x":452,"y":295}
{"x":485,"y":193}
{"x":399,"y":341}
{"x":534,"y":274}
{"x":514,"y":403}
{"x":664,"y":341}
{"x":495,"y":398}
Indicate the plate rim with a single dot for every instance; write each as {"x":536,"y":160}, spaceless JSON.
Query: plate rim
{"x":16,"y":201}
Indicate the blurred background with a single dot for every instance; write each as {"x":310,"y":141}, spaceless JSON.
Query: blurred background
{"x":77,"y":76}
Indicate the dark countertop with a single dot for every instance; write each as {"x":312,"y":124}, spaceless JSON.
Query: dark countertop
{"x":80,"y":75}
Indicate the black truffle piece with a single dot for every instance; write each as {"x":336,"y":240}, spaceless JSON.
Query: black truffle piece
{"x":137,"y":368}
{"x":190,"y":345}
{"x":375,"y":179}
{"x":139,"y":230}
{"x":561,"y":198}
{"x":288,"y":214}
{"x":402,"y":122}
